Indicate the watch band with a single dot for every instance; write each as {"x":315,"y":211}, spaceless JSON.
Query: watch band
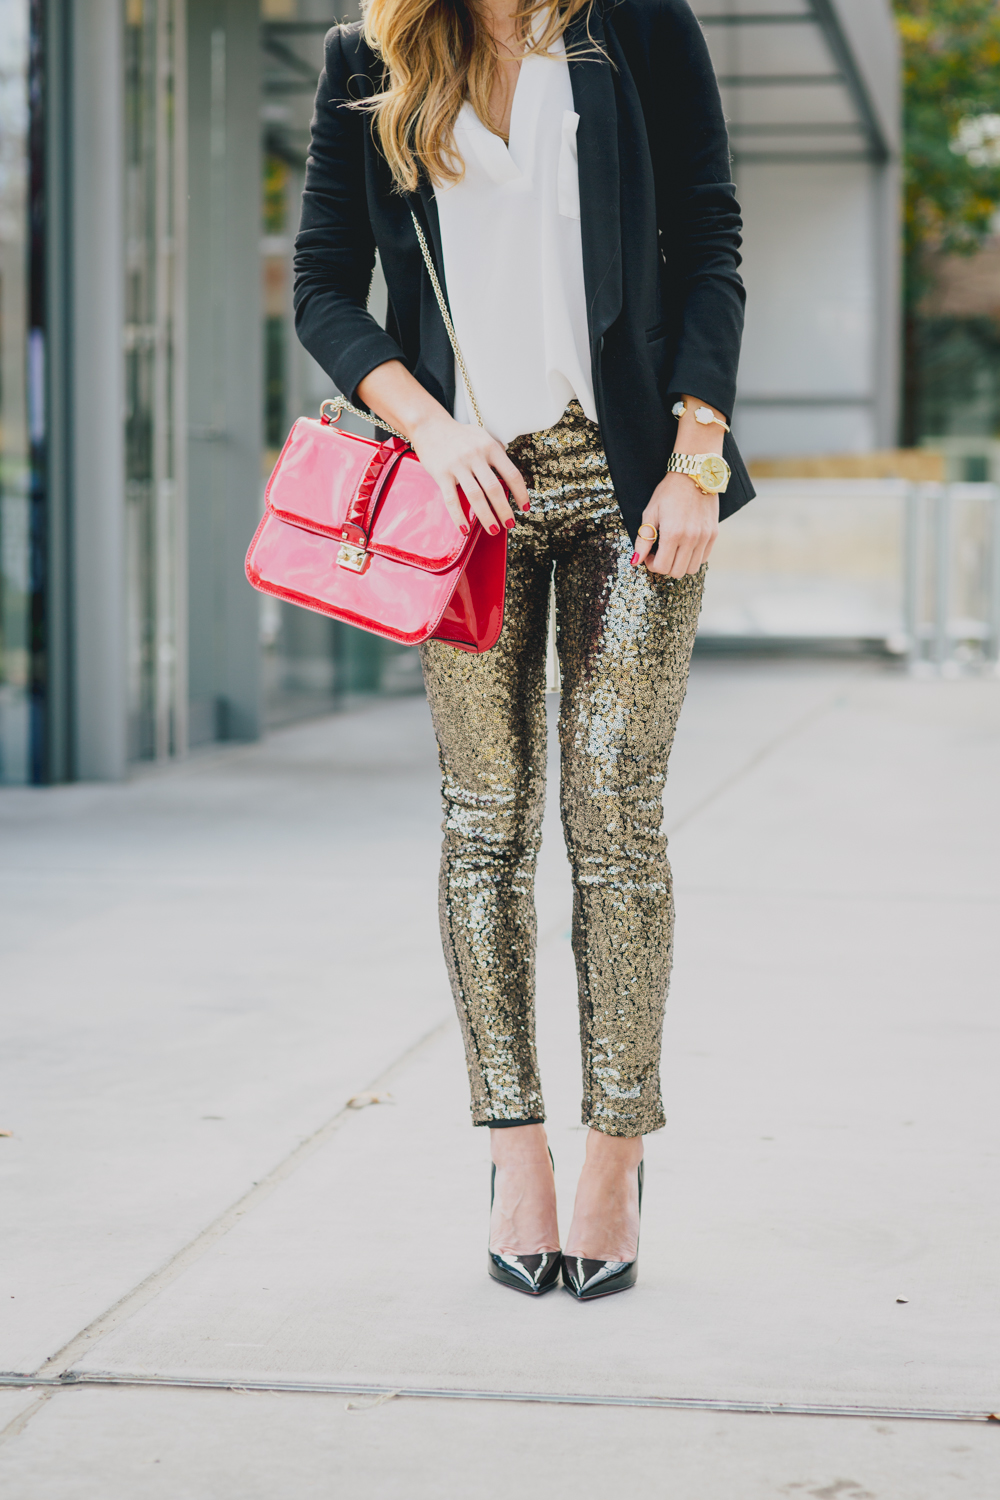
{"x":709,"y":471}
{"x":684,"y":463}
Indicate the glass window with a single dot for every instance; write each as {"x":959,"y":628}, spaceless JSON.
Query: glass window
{"x":311,"y":664}
{"x":153,"y":531}
{"x":21,"y":350}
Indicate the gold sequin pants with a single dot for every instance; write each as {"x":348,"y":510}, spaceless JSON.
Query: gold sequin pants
{"x":624,"y":641}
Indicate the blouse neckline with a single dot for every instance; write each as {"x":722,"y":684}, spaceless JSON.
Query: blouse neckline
{"x":507,"y":161}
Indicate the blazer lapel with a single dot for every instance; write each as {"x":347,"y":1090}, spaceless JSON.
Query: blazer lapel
{"x":597,"y":149}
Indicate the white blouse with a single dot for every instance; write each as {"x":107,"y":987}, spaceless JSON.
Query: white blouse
{"x":513,"y":258}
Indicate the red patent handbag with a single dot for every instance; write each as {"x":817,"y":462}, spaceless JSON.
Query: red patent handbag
{"x":358,"y":530}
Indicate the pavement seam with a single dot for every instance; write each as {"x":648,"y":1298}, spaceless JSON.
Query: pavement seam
{"x":753,"y":761}
{"x":15,"y":1427}
{"x":380,"y":1393}
{"x":62,"y":1361}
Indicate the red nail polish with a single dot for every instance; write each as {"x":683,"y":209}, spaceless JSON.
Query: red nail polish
{"x":509,"y":524}
{"x":526,"y":506}
{"x":494,"y":530}
{"x":635,"y":558}
{"x":463,"y":529}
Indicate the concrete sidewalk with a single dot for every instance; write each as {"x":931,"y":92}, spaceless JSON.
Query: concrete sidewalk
{"x":201,"y":968}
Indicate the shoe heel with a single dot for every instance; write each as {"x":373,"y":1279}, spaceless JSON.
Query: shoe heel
{"x":587,"y":1279}
{"x":534,"y":1275}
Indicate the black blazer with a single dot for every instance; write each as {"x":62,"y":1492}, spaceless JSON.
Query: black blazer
{"x":661,"y":236}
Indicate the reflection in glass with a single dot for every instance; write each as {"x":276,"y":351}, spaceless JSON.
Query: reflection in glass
{"x":15,"y":448}
{"x":153,"y":516}
{"x":310,"y":664}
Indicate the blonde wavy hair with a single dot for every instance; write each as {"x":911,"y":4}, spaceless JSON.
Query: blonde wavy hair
{"x":437,"y":54}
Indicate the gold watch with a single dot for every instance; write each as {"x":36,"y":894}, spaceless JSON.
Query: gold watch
{"x":710,"y":472}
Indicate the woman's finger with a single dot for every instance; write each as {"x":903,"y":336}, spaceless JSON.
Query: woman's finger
{"x":471,"y":489}
{"x":495,"y":494}
{"x":706,"y":551}
{"x":512,"y":478}
{"x":688,"y":545}
{"x":643,"y":544}
{"x":660,"y":553}
{"x":453,"y":505}
{"x":663,"y":559}
{"x":682,"y":557}
{"x":701,"y":552}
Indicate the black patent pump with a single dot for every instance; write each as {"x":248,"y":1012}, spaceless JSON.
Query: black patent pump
{"x":587,"y":1279}
{"x":532,"y":1274}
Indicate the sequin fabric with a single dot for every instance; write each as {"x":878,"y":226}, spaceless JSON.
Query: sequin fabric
{"x":624,"y":639}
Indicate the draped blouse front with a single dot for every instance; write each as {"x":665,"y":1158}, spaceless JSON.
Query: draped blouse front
{"x":513,"y":258}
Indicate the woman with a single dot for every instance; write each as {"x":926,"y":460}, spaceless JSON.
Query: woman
{"x":569,"y":167}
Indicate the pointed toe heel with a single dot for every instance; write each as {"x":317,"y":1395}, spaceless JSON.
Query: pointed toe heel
{"x":587,"y":1279}
{"x":532,"y":1274}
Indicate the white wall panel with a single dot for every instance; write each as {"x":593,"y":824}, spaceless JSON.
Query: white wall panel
{"x":771,"y":431}
{"x":809,"y":274}
{"x":812,"y":277}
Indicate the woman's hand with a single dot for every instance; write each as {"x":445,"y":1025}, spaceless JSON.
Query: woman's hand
{"x":454,"y":454}
{"x":686,"y":518}
{"x":688,"y":523}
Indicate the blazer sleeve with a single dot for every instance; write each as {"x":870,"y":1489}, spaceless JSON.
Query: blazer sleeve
{"x":697,"y":212}
{"x":335,"y":246}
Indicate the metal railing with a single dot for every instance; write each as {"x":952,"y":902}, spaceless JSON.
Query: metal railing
{"x":952,"y":577}
{"x":913,"y":568}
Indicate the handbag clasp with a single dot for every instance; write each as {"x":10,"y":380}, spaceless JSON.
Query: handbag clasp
{"x":355,"y":559}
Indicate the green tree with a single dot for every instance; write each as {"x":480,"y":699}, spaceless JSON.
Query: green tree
{"x":951,"y":71}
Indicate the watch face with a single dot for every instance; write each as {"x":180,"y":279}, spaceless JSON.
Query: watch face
{"x":714,"y":473}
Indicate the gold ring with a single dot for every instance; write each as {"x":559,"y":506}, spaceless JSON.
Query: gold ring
{"x":648,"y":532}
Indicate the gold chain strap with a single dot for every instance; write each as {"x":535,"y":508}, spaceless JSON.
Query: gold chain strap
{"x":442,"y":304}
{"x":341,"y":403}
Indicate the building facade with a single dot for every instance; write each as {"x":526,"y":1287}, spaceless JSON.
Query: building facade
{"x":812,"y":94}
{"x":151,"y":160}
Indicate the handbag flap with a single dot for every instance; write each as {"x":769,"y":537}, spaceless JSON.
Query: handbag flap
{"x":317,"y":477}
